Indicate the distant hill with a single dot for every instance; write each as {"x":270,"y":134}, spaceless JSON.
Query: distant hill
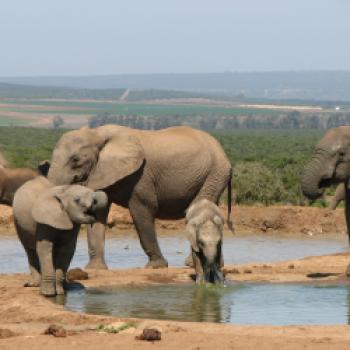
{"x":317,"y":85}
{"x":45,"y":92}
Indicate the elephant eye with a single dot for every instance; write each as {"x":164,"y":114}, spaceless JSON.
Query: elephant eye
{"x":341,"y":153}
{"x":75,"y":159}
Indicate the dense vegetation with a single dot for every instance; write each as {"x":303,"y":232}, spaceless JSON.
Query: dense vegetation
{"x":267,"y":163}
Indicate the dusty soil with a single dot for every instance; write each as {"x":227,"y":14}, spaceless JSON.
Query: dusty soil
{"x":25,"y":315}
{"x":274,"y":219}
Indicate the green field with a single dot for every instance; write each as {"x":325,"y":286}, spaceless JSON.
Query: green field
{"x":11,"y":121}
{"x":82,"y":107}
{"x":267,"y":163}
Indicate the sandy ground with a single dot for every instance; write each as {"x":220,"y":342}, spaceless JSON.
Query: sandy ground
{"x":274,"y":219}
{"x":24,"y":314}
{"x":27,"y":314}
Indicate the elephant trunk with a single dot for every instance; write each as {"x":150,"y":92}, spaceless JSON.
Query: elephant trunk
{"x":212,"y":273}
{"x":312,"y":178}
{"x":100,"y":201}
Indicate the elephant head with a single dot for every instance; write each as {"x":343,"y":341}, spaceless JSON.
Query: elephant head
{"x":205,"y":231}
{"x":63,"y":206}
{"x":330,"y":163}
{"x":97,"y":157}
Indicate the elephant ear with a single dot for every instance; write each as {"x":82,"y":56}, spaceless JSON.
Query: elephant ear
{"x":191,"y":232}
{"x":48,"y":210}
{"x":122,"y":155}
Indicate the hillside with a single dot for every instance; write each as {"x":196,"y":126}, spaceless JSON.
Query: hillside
{"x":319,"y":85}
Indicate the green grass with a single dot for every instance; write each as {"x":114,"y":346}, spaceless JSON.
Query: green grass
{"x":11,"y":121}
{"x":134,"y":109}
{"x":267,"y":163}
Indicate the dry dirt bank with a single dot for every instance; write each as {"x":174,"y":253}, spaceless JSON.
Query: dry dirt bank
{"x":24,"y":312}
{"x":274,"y":219}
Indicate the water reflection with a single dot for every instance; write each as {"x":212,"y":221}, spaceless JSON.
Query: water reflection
{"x":238,"y":303}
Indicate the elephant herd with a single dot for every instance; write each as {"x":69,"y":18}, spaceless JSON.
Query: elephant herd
{"x":168,"y":174}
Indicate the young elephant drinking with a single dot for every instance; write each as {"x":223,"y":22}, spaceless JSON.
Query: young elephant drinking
{"x":204,"y":228}
{"x":47,"y":220}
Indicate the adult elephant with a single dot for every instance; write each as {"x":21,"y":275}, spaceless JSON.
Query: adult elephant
{"x":330,"y":164}
{"x":156,"y":174}
{"x":13,"y":178}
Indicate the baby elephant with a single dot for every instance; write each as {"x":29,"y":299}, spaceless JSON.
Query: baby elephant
{"x":47,"y":220}
{"x":204,"y":229}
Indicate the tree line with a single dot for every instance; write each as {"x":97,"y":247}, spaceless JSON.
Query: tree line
{"x":284,"y":120}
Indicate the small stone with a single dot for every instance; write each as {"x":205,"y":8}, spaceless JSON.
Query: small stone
{"x":6,"y":333}
{"x":291,"y":266}
{"x":150,"y":334}
{"x":56,"y":331}
{"x":247,"y":271}
{"x":347,"y":271}
{"x":77,"y":274}
{"x":126,"y":247}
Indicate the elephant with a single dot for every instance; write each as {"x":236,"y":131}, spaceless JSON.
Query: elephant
{"x":13,"y":178}
{"x":330,"y":164}
{"x":204,"y":228}
{"x":155,"y":174}
{"x":47,"y":220}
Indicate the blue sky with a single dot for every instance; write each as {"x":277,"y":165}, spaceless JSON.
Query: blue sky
{"x":88,"y":37}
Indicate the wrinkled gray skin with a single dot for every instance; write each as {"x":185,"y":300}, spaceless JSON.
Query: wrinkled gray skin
{"x":47,"y":220}
{"x":339,"y":196}
{"x":204,"y":228}
{"x":330,"y":164}
{"x":13,"y":178}
{"x":156,"y":174}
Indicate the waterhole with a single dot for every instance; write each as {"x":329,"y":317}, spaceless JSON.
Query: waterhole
{"x":270,"y":304}
{"x":124,"y":250}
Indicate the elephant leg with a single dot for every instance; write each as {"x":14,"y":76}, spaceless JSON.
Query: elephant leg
{"x":63,"y":256}
{"x":198,"y":267}
{"x":189,"y":261}
{"x":144,"y":224}
{"x":44,"y":248}
{"x":34,"y":268}
{"x":347,"y":216}
{"x":96,"y":242}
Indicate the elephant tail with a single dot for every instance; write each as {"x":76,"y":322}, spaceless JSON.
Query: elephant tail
{"x":229,"y":204}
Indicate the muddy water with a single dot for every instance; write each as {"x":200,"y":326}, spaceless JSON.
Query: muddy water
{"x":124,"y":251}
{"x":270,"y":304}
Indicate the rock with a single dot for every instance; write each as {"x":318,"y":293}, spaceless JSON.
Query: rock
{"x":6,"y":333}
{"x":56,"y":331}
{"x":247,"y":271}
{"x":150,"y":334}
{"x":77,"y":274}
{"x":347,"y":271}
{"x":291,"y":266}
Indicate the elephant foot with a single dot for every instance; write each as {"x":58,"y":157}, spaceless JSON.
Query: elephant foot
{"x":59,"y":290}
{"x":157,"y":264}
{"x":30,"y":284}
{"x":48,"y":291}
{"x":96,"y":265}
{"x":189,"y":261}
